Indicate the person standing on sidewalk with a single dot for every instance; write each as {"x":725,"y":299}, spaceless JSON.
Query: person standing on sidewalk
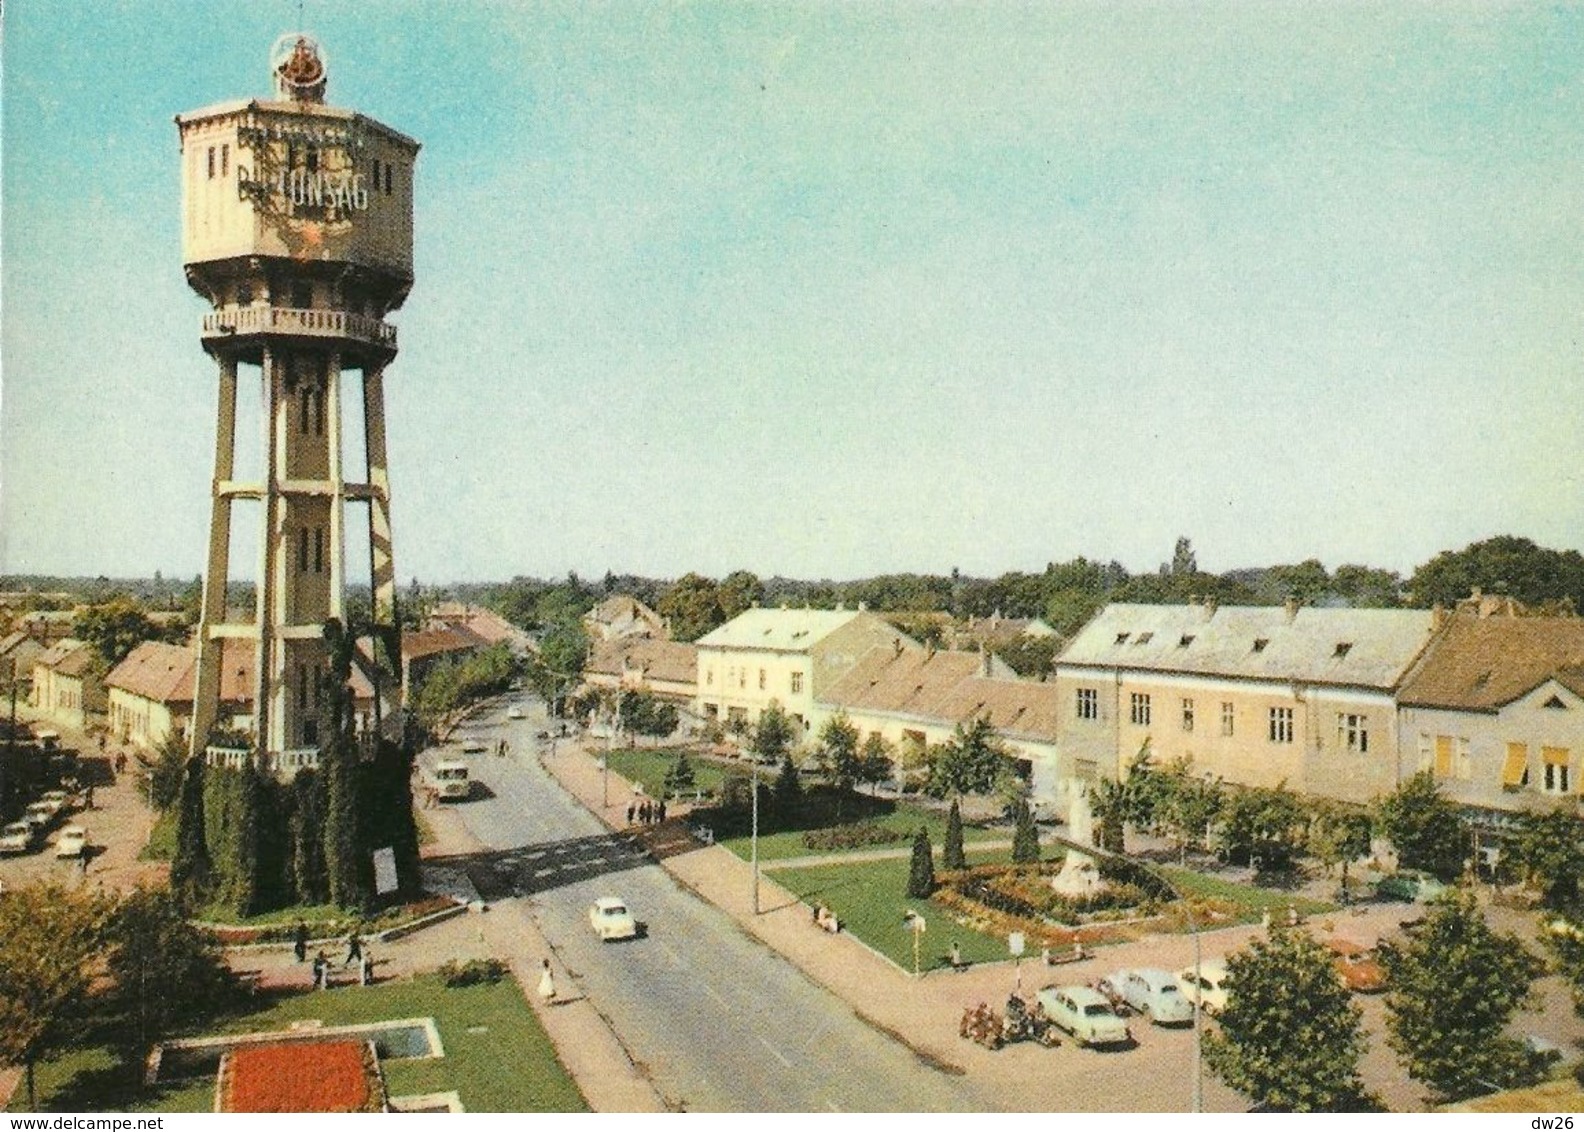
{"x":300,"y":942}
{"x":547,"y":990}
{"x":354,"y":948}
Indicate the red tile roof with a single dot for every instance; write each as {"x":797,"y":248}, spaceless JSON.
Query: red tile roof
{"x":671,"y":662}
{"x":1481,"y":664}
{"x":165,"y":673}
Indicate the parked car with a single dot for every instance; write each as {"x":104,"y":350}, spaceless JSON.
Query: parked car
{"x":1084,"y":1013}
{"x":71,"y":842}
{"x":61,"y":800}
{"x":1357,"y":965}
{"x":17,"y":837}
{"x":40,"y":815}
{"x":516,"y":712}
{"x":1209,"y":989}
{"x":1152,"y":991}
{"x":1409,"y":885}
{"x":473,"y":745}
{"x":1110,"y":988}
{"x":610,"y":919}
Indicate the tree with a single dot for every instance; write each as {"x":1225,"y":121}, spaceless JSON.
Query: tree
{"x":874,"y":760}
{"x":837,"y":752}
{"x":191,"y":870}
{"x":1451,"y":989}
{"x":165,"y":972}
{"x":1338,"y":836}
{"x":1184,"y":561}
{"x":772,"y":737}
{"x":788,"y":788}
{"x":1264,"y":827}
{"x":968,"y":763}
{"x":163,"y":784}
{"x":691,"y":607}
{"x":1549,"y":849}
{"x":1290,"y":1037}
{"x":1025,"y":837}
{"x":1564,"y":939}
{"x":1108,"y":802}
{"x":738,"y":591}
{"x":921,"y":870}
{"x":558,"y":666}
{"x":952,"y":855}
{"x":116,"y":627}
{"x":644,"y":714}
{"x":1424,"y":826}
{"x":680,"y":777}
{"x":49,"y":937}
{"x":1189,"y":807}
{"x":1502,"y":565}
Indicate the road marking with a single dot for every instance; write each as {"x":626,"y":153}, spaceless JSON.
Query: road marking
{"x":779,"y":1056}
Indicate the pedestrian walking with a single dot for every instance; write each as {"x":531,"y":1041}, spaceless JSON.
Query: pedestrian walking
{"x":660,"y":811}
{"x":120,"y":762}
{"x":88,"y":796}
{"x":365,"y":969}
{"x":354,"y":948}
{"x":629,"y":813}
{"x":547,"y":984}
{"x":300,"y":941}
{"x":82,"y":861}
{"x":321,"y":972}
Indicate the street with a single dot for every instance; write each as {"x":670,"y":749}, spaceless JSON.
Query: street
{"x":718,"y":1020}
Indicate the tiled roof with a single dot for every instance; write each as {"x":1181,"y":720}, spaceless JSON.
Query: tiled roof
{"x":1370,"y":648}
{"x":165,"y":673}
{"x":60,"y":652}
{"x":947,"y":687}
{"x":1479,"y":664}
{"x":429,"y":642}
{"x":778,"y":630}
{"x":672,"y":662}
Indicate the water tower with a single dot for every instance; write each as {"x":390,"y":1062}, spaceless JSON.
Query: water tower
{"x":297,"y":221}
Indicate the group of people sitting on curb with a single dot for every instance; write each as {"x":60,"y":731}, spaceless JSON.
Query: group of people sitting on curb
{"x":825,"y":919}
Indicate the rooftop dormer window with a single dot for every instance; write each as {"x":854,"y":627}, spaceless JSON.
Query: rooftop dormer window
{"x":1185,"y":641}
{"x":1144,"y":638}
{"x":1555,"y":704}
{"x":1342,"y":649}
{"x":1122,"y":638}
{"x":1260,"y":643}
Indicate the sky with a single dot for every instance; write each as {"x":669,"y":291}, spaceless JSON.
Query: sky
{"x":836,"y":289}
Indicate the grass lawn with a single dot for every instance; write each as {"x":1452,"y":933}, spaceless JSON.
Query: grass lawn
{"x":869,"y":898}
{"x":905,"y":819}
{"x":1249,"y":902}
{"x":650,"y":767}
{"x":162,"y":838}
{"x":497,"y":1056}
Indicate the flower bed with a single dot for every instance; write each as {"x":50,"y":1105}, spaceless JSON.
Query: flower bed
{"x":301,"y":1077}
{"x":856,"y":835}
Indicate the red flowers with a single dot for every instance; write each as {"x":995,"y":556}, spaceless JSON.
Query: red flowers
{"x":301,"y":1077}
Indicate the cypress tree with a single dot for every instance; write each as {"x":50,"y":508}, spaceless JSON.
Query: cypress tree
{"x":952,"y":855}
{"x":788,"y":790}
{"x":1025,"y":838}
{"x":921,"y":873}
{"x":190,"y":867}
{"x":306,"y":827}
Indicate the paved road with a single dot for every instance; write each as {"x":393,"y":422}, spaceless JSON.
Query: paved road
{"x":720,"y":1022}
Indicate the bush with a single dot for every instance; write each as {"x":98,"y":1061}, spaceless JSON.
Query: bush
{"x":473,"y":972}
{"x":856,"y":835}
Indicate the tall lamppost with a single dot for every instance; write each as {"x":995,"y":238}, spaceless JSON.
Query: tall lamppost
{"x":753,"y":839}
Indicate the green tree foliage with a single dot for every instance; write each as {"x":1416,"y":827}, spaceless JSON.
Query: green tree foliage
{"x":837,"y":752}
{"x":969,"y":763}
{"x":162,"y":787}
{"x":874,"y":760}
{"x":1507,"y":565}
{"x":1184,"y":561}
{"x":644,"y":714}
{"x":1424,"y":827}
{"x":457,"y":681}
{"x":1290,"y":1038}
{"x":1033,"y":658}
{"x":1263,"y":826}
{"x":773,"y":736}
{"x":788,"y":789}
{"x":305,"y":830}
{"x":49,"y":938}
{"x":1109,"y":803}
{"x":921,"y":870}
{"x":692,"y":607}
{"x":680,"y":778}
{"x":952,"y":855}
{"x":1564,"y":939}
{"x":738,"y":591}
{"x":557,"y":667}
{"x":190,"y":873}
{"x":1025,"y":837}
{"x":1452,"y":988}
{"x":116,"y":627}
{"x":165,"y":973}
{"x":1337,"y":836}
{"x":1549,"y":849}
{"x":1189,"y":811}
{"x":1366,"y":588}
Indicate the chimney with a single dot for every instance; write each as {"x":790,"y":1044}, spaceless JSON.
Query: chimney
{"x":984,"y":661}
{"x":1291,"y":606}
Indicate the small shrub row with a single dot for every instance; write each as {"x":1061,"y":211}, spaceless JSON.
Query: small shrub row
{"x":855,"y":835}
{"x":471,"y":973}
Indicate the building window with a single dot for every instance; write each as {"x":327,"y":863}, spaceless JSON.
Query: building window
{"x":225,"y":160}
{"x":709,"y":677}
{"x":1352,"y":732}
{"x":797,"y":683}
{"x":761,"y":679}
{"x":1139,"y":711}
{"x":313,"y":159}
{"x":1086,"y":769}
{"x":387,"y":178}
{"x":1281,"y":725}
{"x":318,"y":550}
{"x":211,"y":163}
{"x":1188,"y":713}
{"x":1515,"y":770}
{"x":1260,"y":643}
{"x":1443,"y":756}
{"x":742,"y":677}
{"x":302,"y":550}
{"x":1228,"y":717}
{"x":1088,"y":703}
{"x":1556,"y":769}
{"x":310,"y":732}
{"x":711,"y":711}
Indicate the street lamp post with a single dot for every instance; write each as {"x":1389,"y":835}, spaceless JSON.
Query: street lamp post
{"x":753,"y":839}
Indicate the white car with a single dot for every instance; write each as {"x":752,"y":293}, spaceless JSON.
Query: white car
{"x":17,"y":837}
{"x":610,"y":919}
{"x":1210,"y":991}
{"x":61,"y":800}
{"x":72,"y":842}
{"x":1154,"y":992}
{"x":516,"y":712}
{"x":473,"y":745}
{"x":1085,"y":1014}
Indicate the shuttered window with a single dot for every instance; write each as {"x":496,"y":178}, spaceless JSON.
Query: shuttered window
{"x":1443,"y":756}
{"x":1516,"y":769}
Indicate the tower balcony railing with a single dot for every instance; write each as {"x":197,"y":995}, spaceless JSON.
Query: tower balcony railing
{"x":312,"y":323}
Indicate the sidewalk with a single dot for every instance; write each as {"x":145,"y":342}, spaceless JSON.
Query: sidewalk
{"x":923,"y":1012}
